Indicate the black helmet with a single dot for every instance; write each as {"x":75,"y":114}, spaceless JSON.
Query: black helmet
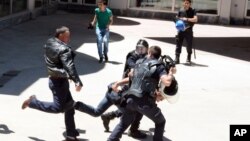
{"x":142,"y":43}
{"x":142,"y":47}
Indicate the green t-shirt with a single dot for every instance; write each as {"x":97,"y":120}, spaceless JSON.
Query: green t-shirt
{"x":103,"y":18}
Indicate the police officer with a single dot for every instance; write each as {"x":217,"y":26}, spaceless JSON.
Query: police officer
{"x":140,"y":51}
{"x":188,"y":15}
{"x":131,"y":58}
{"x":140,"y":97}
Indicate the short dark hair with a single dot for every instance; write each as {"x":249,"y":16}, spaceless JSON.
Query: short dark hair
{"x":188,"y":1}
{"x":103,"y":1}
{"x":155,"y":51}
{"x":61,"y":30}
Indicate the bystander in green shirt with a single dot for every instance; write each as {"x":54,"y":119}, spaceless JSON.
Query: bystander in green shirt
{"x":103,"y":18}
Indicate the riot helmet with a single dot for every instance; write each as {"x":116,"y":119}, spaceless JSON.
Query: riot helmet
{"x":142,"y":47}
{"x":180,"y":25}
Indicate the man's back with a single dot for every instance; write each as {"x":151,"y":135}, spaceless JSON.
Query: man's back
{"x":145,"y":78}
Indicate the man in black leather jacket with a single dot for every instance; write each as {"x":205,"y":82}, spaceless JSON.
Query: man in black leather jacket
{"x":59,"y":59}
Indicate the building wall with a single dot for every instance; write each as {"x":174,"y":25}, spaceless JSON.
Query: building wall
{"x":237,"y":11}
{"x":224,"y":11}
{"x":118,"y":4}
{"x":229,"y":12}
{"x":33,"y":9}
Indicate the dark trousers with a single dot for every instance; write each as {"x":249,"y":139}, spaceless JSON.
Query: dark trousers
{"x":62,"y":102}
{"x":188,"y":36}
{"x":145,"y":106}
{"x":136,"y":122}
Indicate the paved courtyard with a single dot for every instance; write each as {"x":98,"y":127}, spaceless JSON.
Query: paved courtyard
{"x":214,"y":90}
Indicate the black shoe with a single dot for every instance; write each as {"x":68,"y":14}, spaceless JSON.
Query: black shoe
{"x":188,"y":59}
{"x":177,"y":59}
{"x":105,"y":121}
{"x":188,"y":62}
{"x":137,"y":134}
{"x":177,"y":62}
{"x":69,"y":138}
{"x":100,"y":60}
{"x":106,"y":58}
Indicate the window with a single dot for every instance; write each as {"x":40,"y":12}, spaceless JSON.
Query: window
{"x":248,"y":8}
{"x":19,"y":5}
{"x":201,"y":6}
{"x":90,"y":1}
{"x":205,"y":6}
{"x":38,"y":3}
{"x":4,"y":7}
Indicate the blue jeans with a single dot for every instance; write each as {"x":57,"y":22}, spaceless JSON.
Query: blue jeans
{"x":62,"y":102}
{"x":145,"y":106}
{"x":102,"y":36}
{"x":104,"y":104}
{"x":110,"y":98}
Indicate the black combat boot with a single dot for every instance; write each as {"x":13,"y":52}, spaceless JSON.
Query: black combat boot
{"x":106,"y":119}
{"x":100,"y":60}
{"x":177,"y":59}
{"x":134,"y":131}
{"x":137,"y":134}
{"x":188,"y":59}
{"x":106,"y":57}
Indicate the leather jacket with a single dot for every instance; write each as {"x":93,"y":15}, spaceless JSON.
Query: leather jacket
{"x":59,"y":59}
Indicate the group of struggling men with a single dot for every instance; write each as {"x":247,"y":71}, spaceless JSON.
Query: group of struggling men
{"x":135,"y":95}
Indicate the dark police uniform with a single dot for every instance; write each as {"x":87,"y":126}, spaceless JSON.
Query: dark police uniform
{"x":131,"y":59}
{"x":140,"y":99}
{"x":187,"y":34}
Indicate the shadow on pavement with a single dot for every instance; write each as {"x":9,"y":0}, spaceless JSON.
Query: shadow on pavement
{"x":149,"y":135}
{"x":193,"y":64}
{"x":36,"y":139}
{"x":4,"y":129}
{"x":22,"y":48}
{"x":81,"y":132}
{"x":234,"y":47}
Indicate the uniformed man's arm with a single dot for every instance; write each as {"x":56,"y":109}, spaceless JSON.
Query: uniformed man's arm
{"x":116,"y":86}
{"x":131,"y":61}
{"x":192,"y":20}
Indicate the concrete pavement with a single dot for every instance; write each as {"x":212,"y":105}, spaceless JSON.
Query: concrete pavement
{"x":214,"y":91}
